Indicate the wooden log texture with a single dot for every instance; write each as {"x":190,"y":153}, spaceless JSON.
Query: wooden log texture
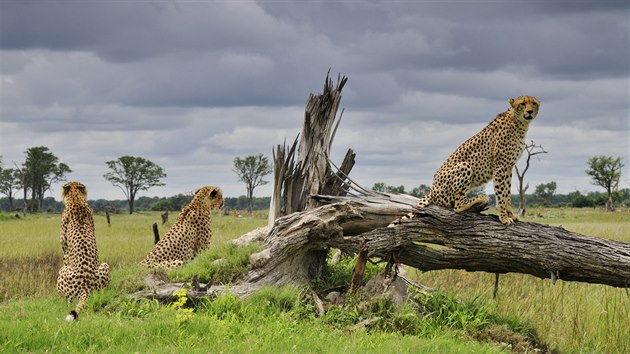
{"x":439,"y":238}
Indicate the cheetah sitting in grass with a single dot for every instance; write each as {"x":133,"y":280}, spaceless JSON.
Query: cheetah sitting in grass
{"x":81,"y":273}
{"x":190,"y":233}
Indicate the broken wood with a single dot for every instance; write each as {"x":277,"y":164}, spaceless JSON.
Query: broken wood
{"x":156,"y":234}
{"x":359,"y":268}
{"x":302,"y":169}
{"x":437,"y":238}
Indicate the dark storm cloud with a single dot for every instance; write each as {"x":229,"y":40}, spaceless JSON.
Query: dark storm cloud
{"x":473,"y":35}
{"x":245,"y":53}
{"x":134,"y":30}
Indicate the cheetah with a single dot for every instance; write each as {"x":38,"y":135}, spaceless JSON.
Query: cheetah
{"x":489,"y":155}
{"x":80,"y":273}
{"x":190,"y":233}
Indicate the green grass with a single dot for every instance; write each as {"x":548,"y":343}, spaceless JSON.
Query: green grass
{"x":221,"y":264}
{"x":571,"y":317}
{"x":224,"y":325}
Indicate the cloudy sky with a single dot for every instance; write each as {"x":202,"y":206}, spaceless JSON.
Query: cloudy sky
{"x":191,"y":85}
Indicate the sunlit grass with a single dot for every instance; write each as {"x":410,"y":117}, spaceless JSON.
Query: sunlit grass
{"x":31,"y":254}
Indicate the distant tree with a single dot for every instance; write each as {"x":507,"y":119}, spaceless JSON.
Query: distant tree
{"x":132,"y":174}
{"x":605,"y":172}
{"x":9,"y":183}
{"x":420,"y":191}
{"x":623,"y":196}
{"x":395,"y":190}
{"x":173,"y":203}
{"x":40,"y":170}
{"x":384,"y":188}
{"x":251,"y":170}
{"x":544,"y":192}
{"x":379,"y":187}
{"x":531,"y":149}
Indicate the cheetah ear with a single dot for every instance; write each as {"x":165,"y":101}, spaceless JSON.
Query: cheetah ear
{"x":82,"y":189}
{"x":66,"y":189}
{"x":213,"y":193}
{"x":511,"y":101}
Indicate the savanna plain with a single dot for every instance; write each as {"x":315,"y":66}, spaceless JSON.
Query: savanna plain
{"x":460,"y":316}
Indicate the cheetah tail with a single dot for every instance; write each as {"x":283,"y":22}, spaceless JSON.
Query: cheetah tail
{"x":74,"y":314}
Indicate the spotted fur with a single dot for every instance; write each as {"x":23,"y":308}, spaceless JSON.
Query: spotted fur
{"x":80,"y":273}
{"x":190,"y":233}
{"x":489,"y":155}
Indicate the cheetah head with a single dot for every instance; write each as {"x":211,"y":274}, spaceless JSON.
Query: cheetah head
{"x":210,"y":196}
{"x":525,"y":107}
{"x":73,"y":190}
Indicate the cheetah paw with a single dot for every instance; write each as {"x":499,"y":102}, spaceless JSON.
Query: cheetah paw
{"x":506,"y":220}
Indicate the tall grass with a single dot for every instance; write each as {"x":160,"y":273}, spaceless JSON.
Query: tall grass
{"x":31,"y":255}
{"x":570,"y":316}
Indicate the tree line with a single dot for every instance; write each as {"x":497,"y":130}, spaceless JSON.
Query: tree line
{"x":544,"y":195}
{"x":41,"y":169}
{"x":143,"y":203}
{"x":131,"y":174}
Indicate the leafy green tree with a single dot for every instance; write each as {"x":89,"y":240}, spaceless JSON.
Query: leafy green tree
{"x":132,"y":174}
{"x":9,"y":183}
{"x":251,"y":170}
{"x":40,"y":170}
{"x":605,"y":172}
{"x":544,"y":192}
{"x":384,"y":188}
{"x":379,"y":187}
{"x":420,"y":191}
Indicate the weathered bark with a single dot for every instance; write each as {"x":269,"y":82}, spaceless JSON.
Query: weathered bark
{"x":156,"y":234}
{"x":438,"y":238}
{"x":303,"y":168}
{"x":295,"y":180}
{"x":479,"y":243}
{"x":318,"y":132}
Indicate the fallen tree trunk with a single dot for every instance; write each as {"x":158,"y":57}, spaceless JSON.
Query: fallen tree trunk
{"x":441,"y":239}
{"x":437,"y":238}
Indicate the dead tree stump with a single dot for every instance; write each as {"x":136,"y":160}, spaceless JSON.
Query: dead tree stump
{"x":156,"y":234}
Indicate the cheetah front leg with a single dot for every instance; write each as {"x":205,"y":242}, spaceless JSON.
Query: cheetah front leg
{"x":502,"y":185}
